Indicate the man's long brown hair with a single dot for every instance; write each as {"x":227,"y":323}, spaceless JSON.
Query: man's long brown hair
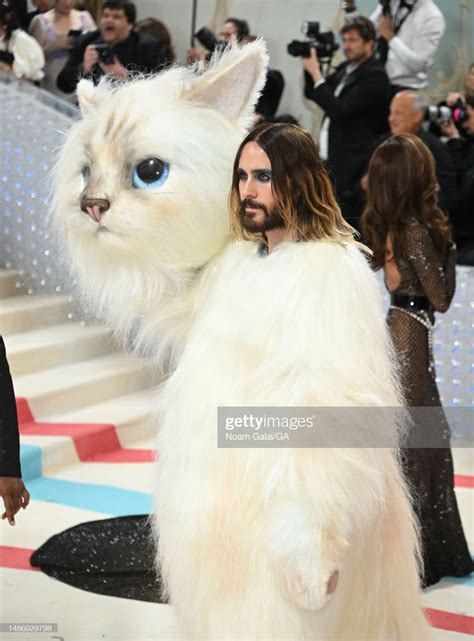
{"x":401,"y":187}
{"x":300,"y":184}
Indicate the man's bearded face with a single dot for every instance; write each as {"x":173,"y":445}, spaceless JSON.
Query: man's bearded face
{"x":250,"y":213}
{"x":258,"y":209}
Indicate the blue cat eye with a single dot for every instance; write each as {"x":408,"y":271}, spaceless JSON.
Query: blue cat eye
{"x":150,"y":173}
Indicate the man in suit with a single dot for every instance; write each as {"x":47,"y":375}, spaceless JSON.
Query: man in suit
{"x":355,"y":99}
{"x":12,"y":490}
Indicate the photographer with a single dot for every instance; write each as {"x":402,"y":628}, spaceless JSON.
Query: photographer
{"x":355,"y":101}
{"x":114,"y":49}
{"x":410,"y":31}
{"x":460,"y":145}
{"x":407,"y":113}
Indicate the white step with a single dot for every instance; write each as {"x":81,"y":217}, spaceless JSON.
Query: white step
{"x":132,"y":415}
{"x":24,"y":313}
{"x":11,"y":283}
{"x":54,"y":346}
{"x":69,"y":387}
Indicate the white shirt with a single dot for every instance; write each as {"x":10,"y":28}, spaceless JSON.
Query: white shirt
{"x":29,"y":57}
{"x":324,"y":131}
{"x":411,"y":52}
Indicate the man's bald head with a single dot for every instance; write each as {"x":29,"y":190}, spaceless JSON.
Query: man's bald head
{"x":407,"y":110}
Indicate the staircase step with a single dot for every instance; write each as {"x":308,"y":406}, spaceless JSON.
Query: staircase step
{"x":11,"y":283}
{"x":55,"y":346}
{"x":69,"y":387}
{"x":132,"y":415}
{"x":25,"y":313}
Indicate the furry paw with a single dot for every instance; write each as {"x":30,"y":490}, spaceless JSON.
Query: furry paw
{"x":307,"y":587}
{"x":306,"y":557}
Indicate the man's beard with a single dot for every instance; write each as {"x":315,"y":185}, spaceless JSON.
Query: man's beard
{"x":272,"y":218}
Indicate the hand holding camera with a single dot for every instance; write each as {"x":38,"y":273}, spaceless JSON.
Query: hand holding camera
{"x":91,"y":58}
{"x":116,"y":68}
{"x":311,"y":65}
{"x":102,"y":54}
{"x":385,"y":27}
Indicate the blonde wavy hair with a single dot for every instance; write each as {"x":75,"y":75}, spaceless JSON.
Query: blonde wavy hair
{"x":302,"y":189}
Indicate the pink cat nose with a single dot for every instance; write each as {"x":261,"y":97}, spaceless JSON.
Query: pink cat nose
{"x":94,"y":207}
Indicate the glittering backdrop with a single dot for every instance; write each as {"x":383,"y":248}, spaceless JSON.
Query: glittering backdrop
{"x":33,"y":124}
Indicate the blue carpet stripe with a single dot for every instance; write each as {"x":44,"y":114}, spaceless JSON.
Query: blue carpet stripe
{"x":104,"y":499}
{"x":31,"y":465}
{"x":467,"y":581}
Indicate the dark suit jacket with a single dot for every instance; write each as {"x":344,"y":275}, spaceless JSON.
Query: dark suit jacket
{"x":9,"y":439}
{"x":139,"y":52}
{"x":358,"y":115}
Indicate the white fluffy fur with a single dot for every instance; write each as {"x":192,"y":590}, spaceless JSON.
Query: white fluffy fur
{"x":140,"y":275}
{"x":248,"y":538}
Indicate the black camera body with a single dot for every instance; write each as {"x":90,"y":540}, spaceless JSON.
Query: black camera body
{"x":208,"y":40}
{"x":323,"y":42}
{"x":441,"y":114}
{"x":106,"y":53}
{"x":404,"y":4}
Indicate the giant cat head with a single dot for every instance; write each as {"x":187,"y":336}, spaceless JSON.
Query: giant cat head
{"x":141,"y":187}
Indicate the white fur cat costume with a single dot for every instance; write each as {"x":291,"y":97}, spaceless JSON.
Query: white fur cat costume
{"x":248,"y":538}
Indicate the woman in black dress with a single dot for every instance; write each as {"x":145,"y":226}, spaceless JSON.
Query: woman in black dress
{"x":410,"y":238}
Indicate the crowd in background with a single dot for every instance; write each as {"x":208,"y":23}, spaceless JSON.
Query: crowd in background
{"x":376,"y":92}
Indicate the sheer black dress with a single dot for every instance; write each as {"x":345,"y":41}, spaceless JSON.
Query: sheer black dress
{"x":427,"y":284}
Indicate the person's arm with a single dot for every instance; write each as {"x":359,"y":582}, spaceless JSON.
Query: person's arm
{"x":455,"y":147}
{"x":72,"y":70}
{"x":29,"y":57}
{"x":437,"y":277}
{"x":447,"y":179}
{"x":369,"y":89}
{"x":419,"y":55}
{"x":12,"y":489}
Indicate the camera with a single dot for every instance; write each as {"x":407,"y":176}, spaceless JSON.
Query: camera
{"x":208,"y":40}
{"x":323,"y":42}
{"x":404,"y":4}
{"x":386,"y":10}
{"x":441,"y":114}
{"x":348,"y":6}
{"x":106,"y":54}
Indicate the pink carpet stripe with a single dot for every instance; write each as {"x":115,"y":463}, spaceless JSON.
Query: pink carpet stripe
{"x":462,"y":480}
{"x":96,"y":443}
{"x":16,"y":558}
{"x":449,"y":621}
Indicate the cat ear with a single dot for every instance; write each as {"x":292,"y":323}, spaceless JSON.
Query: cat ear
{"x":233,"y":82}
{"x":85,"y":95}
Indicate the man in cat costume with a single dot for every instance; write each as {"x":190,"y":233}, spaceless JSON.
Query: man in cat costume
{"x":253,"y":543}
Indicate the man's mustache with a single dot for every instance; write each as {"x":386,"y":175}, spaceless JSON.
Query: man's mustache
{"x":248,"y":202}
